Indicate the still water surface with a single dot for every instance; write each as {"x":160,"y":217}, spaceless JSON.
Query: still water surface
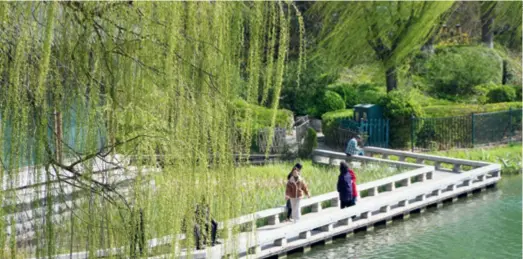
{"x":487,"y":225}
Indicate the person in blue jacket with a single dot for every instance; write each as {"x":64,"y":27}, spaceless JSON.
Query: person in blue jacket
{"x":345,"y":186}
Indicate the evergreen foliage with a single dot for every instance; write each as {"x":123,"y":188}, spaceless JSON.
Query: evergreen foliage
{"x":310,"y":142}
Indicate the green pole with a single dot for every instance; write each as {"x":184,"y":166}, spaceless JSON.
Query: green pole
{"x":412,"y":120}
{"x":509,"y":125}
{"x":472,"y":125}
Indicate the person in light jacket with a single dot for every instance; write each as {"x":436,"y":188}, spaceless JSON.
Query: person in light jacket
{"x":345,"y":186}
{"x":298,"y":167}
{"x":295,"y":190}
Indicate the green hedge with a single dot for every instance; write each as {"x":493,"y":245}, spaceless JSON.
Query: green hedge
{"x":466,"y":109}
{"x":262,"y":116}
{"x":399,"y":106}
{"x":330,"y":122}
{"x":501,"y":94}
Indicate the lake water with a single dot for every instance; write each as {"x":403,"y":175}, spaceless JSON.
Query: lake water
{"x":486,"y":225}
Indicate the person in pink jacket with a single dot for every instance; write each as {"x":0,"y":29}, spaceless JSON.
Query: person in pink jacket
{"x":354,"y":190}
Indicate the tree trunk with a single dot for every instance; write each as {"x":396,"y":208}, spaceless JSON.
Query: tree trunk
{"x":429,"y":46}
{"x":506,"y":76}
{"x":487,"y":24}
{"x":58,"y":132}
{"x":392,"y":79}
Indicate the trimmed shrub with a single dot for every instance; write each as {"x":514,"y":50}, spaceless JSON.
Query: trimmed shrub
{"x":436,"y":111}
{"x":501,"y":94}
{"x":309,"y":144}
{"x":454,"y":71}
{"x":518,"y":89}
{"x":331,"y":121}
{"x":331,"y":101}
{"x":399,"y":107}
{"x":481,"y":91}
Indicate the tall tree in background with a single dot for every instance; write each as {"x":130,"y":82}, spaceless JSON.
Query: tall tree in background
{"x":500,"y":17}
{"x":487,"y":22}
{"x":388,"y":32}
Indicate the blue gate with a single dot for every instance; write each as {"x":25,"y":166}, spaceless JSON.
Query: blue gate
{"x":376,"y":131}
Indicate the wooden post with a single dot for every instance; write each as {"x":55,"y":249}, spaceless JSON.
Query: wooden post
{"x":305,"y":235}
{"x":373,"y":191}
{"x":335,"y":202}
{"x":316,"y":207}
{"x":274,"y":219}
{"x":437,"y":165}
{"x":403,"y":203}
{"x":280,"y":241}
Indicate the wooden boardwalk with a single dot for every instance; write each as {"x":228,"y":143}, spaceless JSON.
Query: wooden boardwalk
{"x":428,"y":181}
{"x":428,"y":184}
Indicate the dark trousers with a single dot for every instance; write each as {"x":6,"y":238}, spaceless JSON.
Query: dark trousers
{"x":201,"y":238}
{"x":345,"y":204}
{"x":289,"y":209}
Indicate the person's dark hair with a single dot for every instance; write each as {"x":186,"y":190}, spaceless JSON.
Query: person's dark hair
{"x":298,"y":166}
{"x":344,"y":167}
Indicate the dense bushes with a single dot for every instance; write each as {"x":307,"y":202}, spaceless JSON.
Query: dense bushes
{"x":303,"y":98}
{"x":454,"y":71}
{"x":511,"y":65}
{"x":501,"y":94}
{"x":492,"y":93}
{"x":399,"y":106}
{"x":309,"y":144}
{"x":353,"y":94}
{"x":466,"y":109}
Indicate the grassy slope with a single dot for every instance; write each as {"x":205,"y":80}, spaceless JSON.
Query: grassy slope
{"x":268,"y":182}
{"x":509,"y":156}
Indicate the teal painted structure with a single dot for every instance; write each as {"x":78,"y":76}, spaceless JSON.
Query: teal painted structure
{"x":368,"y":121}
{"x":367,"y":112}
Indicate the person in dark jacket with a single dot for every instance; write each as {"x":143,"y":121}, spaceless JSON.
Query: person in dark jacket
{"x":203,"y":225}
{"x":345,"y":186}
{"x":298,"y":167}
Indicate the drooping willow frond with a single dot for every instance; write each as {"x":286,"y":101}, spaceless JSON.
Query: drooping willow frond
{"x":146,"y":89}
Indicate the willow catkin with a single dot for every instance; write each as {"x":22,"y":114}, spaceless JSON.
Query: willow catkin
{"x":154,"y":83}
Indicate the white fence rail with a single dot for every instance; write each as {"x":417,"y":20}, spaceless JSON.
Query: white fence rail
{"x":404,"y":192}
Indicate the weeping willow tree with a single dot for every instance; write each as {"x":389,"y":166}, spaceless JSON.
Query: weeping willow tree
{"x":384,"y":31}
{"x":118,"y":117}
{"x":499,"y":17}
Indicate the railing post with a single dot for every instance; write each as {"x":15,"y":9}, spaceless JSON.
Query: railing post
{"x":412,"y":118}
{"x":509,"y":125}
{"x":472,"y":126}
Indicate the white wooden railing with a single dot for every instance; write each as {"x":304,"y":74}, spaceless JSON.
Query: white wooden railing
{"x":423,"y":190}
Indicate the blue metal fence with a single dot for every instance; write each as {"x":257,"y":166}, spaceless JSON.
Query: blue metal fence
{"x":375,"y":131}
{"x":466,"y":131}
